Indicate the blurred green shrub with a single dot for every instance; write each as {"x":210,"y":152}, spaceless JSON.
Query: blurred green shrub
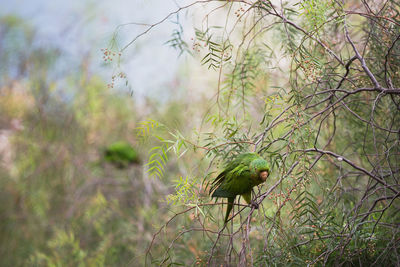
{"x":121,"y":154}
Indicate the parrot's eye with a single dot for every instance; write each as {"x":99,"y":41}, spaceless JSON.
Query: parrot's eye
{"x":264,"y":175}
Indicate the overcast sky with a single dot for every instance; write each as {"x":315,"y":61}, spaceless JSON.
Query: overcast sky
{"x":86,"y":26}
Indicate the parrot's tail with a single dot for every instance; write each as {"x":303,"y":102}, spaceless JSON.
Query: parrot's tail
{"x":229,"y":208}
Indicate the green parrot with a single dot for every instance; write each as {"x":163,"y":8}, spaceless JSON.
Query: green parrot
{"x":239,"y":177}
{"x":121,"y":154}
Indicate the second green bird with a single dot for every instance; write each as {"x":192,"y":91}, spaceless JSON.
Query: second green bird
{"x":239,"y":177}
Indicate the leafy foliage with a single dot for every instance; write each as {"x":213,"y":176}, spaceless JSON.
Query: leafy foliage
{"x":176,"y":40}
{"x":157,"y":160}
{"x":145,"y":127}
{"x":185,"y":191}
{"x":218,"y":50}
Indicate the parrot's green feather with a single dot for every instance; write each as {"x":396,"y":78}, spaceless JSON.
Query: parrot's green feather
{"x":247,"y":197}
{"x":238,"y":178}
{"x":220,"y":192}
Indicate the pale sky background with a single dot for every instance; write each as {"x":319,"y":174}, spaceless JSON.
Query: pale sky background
{"x":83,"y":27}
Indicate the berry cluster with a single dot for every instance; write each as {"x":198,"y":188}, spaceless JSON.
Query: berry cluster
{"x":120,"y":75}
{"x":239,"y":12}
{"x":196,"y":45}
{"x":311,"y":70}
{"x":108,"y":55}
{"x":227,"y":53}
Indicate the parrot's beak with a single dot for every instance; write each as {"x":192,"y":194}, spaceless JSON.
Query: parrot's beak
{"x":264,"y":175}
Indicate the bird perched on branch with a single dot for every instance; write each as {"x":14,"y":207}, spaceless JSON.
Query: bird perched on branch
{"x":239,"y":177}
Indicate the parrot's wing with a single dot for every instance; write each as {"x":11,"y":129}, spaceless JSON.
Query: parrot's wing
{"x":220,"y":192}
{"x":227,"y":182}
{"x":218,"y":181}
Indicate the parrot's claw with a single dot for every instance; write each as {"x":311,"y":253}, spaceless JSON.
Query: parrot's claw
{"x":254,"y":205}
